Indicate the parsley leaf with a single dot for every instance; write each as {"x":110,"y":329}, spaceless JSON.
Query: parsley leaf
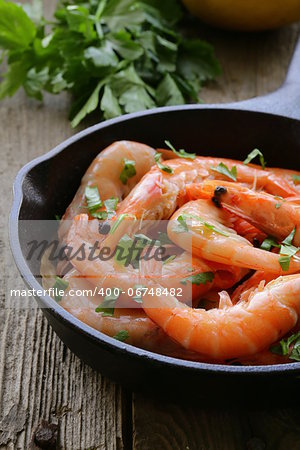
{"x":224,"y":170}
{"x":296,"y":179}
{"x":107,"y":307}
{"x":253,"y":155}
{"x":287,"y":250}
{"x":289,"y":239}
{"x":199,"y":278}
{"x":59,"y":285}
{"x":17,"y":30}
{"x":181,"y":226}
{"x":283,"y":348}
{"x":122,"y":335}
{"x":128,"y":171}
{"x":161,"y":166}
{"x":215,"y":229}
{"x":112,"y":56}
{"x":181,"y":153}
{"x":92,"y":197}
{"x":169,"y":259}
{"x":268,"y":243}
{"x":111,"y":205}
{"x":118,"y":221}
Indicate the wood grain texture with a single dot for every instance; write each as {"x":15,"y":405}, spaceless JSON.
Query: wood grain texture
{"x":41,"y":379}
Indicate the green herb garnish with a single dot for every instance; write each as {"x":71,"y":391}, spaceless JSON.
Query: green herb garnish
{"x":111,"y":206}
{"x":180,"y":153}
{"x":268,"y":243}
{"x":181,"y":226}
{"x":122,"y":335}
{"x":113,"y":57}
{"x":107,"y":307}
{"x":287,"y":251}
{"x":296,"y":179}
{"x":119,"y":220}
{"x":224,"y":170}
{"x":59,"y":285}
{"x":199,"y":278}
{"x":215,"y":229}
{"x":253,"y":155}
{"x":93,"y":200}
{"x":161,"y":166}
{"x":283,"y":348}
{"x":169,"y":259}
{"x":128,"y":171}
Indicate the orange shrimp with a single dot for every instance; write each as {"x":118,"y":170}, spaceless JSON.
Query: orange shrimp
{"x":231,"y":331}
{"x":256,"y":281}
{"x":269,"y":213}
{"x":108,"y":273}
{"x":207,"y":234}
{"x":105,"y":171}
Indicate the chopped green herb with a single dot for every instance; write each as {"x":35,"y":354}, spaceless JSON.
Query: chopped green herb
{"x":59,"y":285}
{"x":110,"y":207}
{"x":215,"y":229}
{"x":161,"y":166}
{"x":180,"y":153}
{"x":268,"y":243}
{"x":284,"y":262}
{"x":119,"y":220}
{"x":224,"y":170}
{"x":128,"y":171}
{"x":289,"y":239}
{"x":199,"y":278}
{"x":253,"y":155}
{"x":288,"y":250}
{"x":122,"y":335}
{"x":92,"y":197}
{"x":296,"y":179}
{"x":283,"y":348}
{"x":107,"y":307}
{"x":169,"y":259}
{"x":278,"y":205}
{"x":111,"y":204}
{"x":57,"y":217}
{"x":163,"y":238}
{"x":139,"y":288}
{"x":181,"y":226}
{"x":129,"y":251}
{"x":101,"y":215}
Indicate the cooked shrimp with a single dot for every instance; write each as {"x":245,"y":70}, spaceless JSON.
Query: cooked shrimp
{"x":207,"y":234}
{"x":105,"y":171}
{"x":159,"y":193}
{"x":141,"y":330}
{"x":269,"y":213}
{"x":257,"y":281}
{"x":231,"y":331}
{"x":106,"y":272}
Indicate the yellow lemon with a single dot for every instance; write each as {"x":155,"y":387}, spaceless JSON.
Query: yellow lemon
{"x":247,"y":15}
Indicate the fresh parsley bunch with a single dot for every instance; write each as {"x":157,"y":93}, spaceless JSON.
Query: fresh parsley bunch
{"x":113,"y":56}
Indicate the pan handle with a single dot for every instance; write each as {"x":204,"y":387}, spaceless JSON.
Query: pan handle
{"x":285,"y":101}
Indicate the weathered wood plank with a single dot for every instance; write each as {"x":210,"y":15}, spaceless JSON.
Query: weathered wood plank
{"x":39,"y":377}
{"x":252,"y":65}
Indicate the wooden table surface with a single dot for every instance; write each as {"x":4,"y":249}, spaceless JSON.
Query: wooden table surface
{"x":41,"y":379}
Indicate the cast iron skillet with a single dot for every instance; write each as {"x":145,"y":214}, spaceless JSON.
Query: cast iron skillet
{"x":45,"y":187}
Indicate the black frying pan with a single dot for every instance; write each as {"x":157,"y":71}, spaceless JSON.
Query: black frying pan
{"x":45,"y":187}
